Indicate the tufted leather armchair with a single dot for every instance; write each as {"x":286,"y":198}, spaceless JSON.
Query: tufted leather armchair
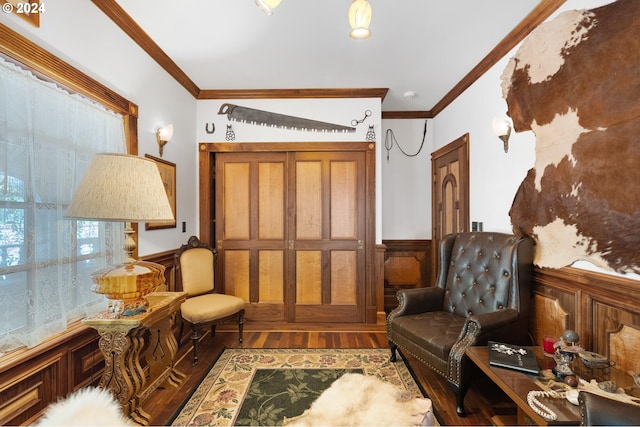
{"x":596,"y":410}
{"x":482,"y":293}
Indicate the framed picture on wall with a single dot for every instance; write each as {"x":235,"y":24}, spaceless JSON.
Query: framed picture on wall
{"x":168,"y":174}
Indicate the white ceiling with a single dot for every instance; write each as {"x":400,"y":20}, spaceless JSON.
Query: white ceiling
{"x":425,"y":46}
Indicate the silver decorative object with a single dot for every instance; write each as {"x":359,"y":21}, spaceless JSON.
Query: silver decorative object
{"x":230,"y":135}
{"x":371,"y":134}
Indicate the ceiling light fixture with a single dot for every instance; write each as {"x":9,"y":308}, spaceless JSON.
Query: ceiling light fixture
{"x":359,"y":19}
{"x":409,"y":94}
{"x":267,"y":6}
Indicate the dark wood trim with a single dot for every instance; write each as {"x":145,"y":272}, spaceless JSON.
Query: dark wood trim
{"x":249,"y":147}
{"x":538,"y":15}
{"x":293,"y":93}
{"x":117,"y":14}
{"x":407,"y":115}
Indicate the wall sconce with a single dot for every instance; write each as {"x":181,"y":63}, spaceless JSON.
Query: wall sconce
{"x":267,"y":6}
{"x":502,"y":129}
{"x":163,"y":135}
{"x":359,"y":19}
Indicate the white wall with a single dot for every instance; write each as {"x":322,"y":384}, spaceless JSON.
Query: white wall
{"x":88,"y":40}
{"x":406,"y":179}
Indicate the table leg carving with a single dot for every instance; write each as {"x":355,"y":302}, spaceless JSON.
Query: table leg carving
{"x":122,"y":342}
{"x":115,"y":345}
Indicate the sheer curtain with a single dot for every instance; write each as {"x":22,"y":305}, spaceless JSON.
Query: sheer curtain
{"x":47,"y":138}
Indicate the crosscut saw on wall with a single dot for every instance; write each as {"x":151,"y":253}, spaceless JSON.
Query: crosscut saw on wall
{"x":252,"y":116}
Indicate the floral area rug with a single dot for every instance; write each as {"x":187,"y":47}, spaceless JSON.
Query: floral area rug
{"x":261,"y":387}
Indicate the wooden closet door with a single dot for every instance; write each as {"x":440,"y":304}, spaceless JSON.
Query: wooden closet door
{"x":251,"y":230}
{"x":326,"y":237}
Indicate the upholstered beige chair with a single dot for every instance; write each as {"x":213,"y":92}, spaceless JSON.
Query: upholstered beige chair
{"x":482,"y":293}
{"x":195,"y":264}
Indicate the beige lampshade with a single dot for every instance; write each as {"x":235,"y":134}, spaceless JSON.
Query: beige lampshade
{"x":121,"y":187}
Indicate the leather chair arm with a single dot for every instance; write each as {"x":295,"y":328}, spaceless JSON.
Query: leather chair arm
{"x":490,"y":321}
{"x":418,"y":300}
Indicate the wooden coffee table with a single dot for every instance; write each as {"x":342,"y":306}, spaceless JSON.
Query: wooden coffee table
{"x":517,"y":385}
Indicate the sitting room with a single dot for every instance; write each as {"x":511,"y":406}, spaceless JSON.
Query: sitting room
{"x":319,"y":213}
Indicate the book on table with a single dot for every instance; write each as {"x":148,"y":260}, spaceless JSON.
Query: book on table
{"x":513,"y":357}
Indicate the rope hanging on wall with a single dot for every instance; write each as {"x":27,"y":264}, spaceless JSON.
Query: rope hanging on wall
{"x":390,"y":140}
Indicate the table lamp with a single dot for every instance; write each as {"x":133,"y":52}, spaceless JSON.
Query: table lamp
{"x":125,"y":188}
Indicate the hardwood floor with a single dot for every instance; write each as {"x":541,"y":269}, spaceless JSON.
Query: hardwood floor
{"x":482,"y":402}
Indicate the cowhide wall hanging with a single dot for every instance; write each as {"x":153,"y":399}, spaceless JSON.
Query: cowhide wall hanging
{"x":575,"y":82}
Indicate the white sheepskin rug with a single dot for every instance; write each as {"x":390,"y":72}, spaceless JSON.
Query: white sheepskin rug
{"x":85,"y":407}
{"x":362,"y":400}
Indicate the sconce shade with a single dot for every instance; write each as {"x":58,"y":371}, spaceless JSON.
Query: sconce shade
{"x":121,"y":187}
{"x":165,"y":132}
{"x":163,"y":135}
{"x":359,"y":19}
{"x":267,"y":6}
{"x":502,"y":129}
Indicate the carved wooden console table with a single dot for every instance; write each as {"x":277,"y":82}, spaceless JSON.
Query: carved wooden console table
{"x":127,"y":342}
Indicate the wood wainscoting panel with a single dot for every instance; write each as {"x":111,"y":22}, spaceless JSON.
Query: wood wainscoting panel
{"x":24,"y":398}
{"x":86,"y":361}
{"x":407,"y":265}
{"x":549,"y":318}
{"x":604,"y":309}
{"x":624,"y":346}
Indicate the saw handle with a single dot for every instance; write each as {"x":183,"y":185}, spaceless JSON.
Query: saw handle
{"x":226,"y":109}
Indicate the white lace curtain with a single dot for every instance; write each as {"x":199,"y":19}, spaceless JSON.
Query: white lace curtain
{"x":47,"y":138}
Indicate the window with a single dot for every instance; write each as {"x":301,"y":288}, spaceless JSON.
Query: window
{"x":47,"y":138}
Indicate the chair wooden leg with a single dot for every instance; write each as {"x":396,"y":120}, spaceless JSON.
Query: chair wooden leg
{"x":394,"y":349}
{"x":195,"y":338}
{"x":240,"y":325}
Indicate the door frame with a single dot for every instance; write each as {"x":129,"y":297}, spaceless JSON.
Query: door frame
{"x":206,"y":182}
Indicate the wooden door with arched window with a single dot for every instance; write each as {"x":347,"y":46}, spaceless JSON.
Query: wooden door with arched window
{"x":450,"y":193}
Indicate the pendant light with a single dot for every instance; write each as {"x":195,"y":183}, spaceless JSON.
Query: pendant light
{"x":359,"y":19}
{"x":267,"y":6}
